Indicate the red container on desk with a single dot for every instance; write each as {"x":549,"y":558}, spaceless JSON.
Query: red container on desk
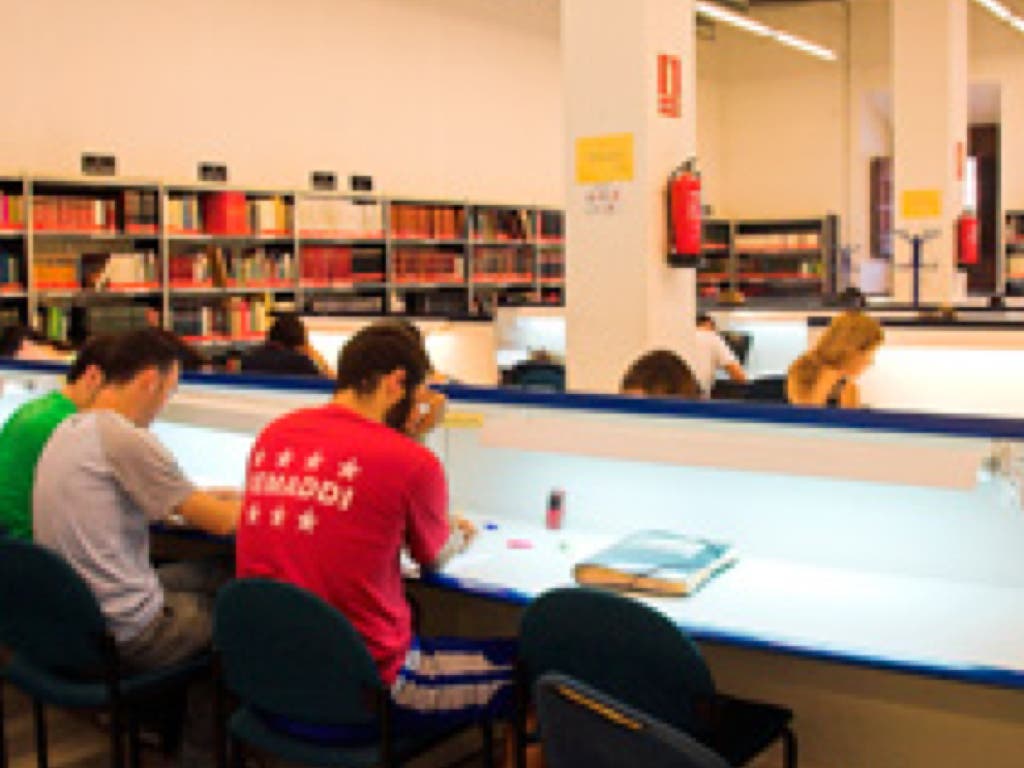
{"x":556,"y":510}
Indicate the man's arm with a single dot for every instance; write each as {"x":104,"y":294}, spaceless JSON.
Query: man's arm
{"x":736,"y":372}
{"x":215,"y":513}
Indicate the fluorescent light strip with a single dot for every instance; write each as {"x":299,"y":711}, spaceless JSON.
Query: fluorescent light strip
{"x":755,"y":27}
{"x":1001,"y":12}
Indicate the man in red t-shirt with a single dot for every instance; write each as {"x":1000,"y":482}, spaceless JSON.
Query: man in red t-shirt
{"x":334,"y":493}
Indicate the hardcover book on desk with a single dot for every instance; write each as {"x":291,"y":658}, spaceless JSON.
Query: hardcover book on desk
{"x":656,"y":562}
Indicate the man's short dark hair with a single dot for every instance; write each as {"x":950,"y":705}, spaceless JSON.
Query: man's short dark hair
{"x":703,"y":318}
{"x":377,"y":350}
{"x":135,"y":351}
{"x":661,"y":373}
{"x":190,"y":358}
{"x":288,"y":330}
{"x":95,"y":351}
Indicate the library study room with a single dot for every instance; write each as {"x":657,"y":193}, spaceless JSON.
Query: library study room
{"x":512,"y":384}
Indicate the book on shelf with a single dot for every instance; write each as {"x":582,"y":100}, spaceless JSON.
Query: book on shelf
{"x":12,"y":211}
{"x":346,"y":305}
{"x":116,"y":318}
{"x":777,"y":242}
{"x":56,"y":322}
{"x":140,"y":212}
{"x":340,"y":218}
{"x":427,"y":222}
{"x":10,"y":268}
{"x":55,"y":271}
{"x":225,"y":213}
{"x":656,"y":562}
{"x":65,"y":213}
{"x":190,"y":269}
{"x":502,"y":224}
{"x":428,"y":265}
{"x":341,"y":265}
{"x":550,"y":226}
{"x":552,"y":265}
{"x":270,"y":216}
{"x":238,"y":318}
{"x":260,"y":267}
{"x":9,"y":317}
{"x":503,"y":264}
{"x":184,"y":215}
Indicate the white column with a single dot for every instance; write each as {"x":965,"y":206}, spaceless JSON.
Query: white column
{"x":621,"y":297}
{"x":929,"y":135}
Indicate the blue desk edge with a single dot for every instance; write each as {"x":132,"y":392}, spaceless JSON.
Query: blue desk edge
{"x":901,"y":422}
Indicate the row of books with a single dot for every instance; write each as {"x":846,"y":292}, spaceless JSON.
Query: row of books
{"x":125,"y":271}
{"x":552,"y":265}
{"x":427,"y":222}
{"x":270,"y":216}
{"x":55,"y":271}
{"x":347,"y":304}
{"x":9,"y":317}
{"x":140,"y":211}
{"x":502,"y":224}
{"x":329,"y":265}
{"x":777,"y":241}
{"x":228,"y":213}
{"x":236,"y":318}
{"x":10,"y":268}
{"x":551,"y":225}
{"x":74,"y":214}
{"x":503,"y":264}
{"x":12,"y":211}
{"x":56,"y":322}
{"x":429,"y":265}
{"x":115,"y":318}
{"x":333,"y":217}
{"x":259,"y":266}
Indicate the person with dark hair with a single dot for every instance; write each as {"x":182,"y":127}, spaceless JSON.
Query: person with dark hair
{"x":334,"y":493}
{"x":660,"y":373}
{"x":102,"y":479}
{"x":27,"y":430}
{"x":23,"y":343}
{"x":712,"y":355}
{"x":285,"y":351}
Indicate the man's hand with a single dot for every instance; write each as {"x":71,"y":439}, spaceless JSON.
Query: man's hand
{"x":427,"y":412}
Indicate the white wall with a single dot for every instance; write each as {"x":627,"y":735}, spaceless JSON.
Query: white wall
{"x":446,"y":98}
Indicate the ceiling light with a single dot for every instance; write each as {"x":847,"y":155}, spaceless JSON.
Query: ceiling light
{"x":718,"y":13}
{"x":1001,"y":12}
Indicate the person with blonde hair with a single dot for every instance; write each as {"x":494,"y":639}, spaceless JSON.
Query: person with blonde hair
{"x":826,"y":374}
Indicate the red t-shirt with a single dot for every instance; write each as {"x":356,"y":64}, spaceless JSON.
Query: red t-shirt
{"x":330,"y":499}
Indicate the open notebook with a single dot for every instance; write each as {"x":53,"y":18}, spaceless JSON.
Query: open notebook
{"x":655,"y":562}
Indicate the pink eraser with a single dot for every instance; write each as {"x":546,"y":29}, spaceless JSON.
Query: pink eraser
{"x":520,"y":544}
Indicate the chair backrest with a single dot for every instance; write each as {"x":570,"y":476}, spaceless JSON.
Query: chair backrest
{"x":581,"y":726}
{"x":549,"y":377}
{"x":48,"y":615}
{"x":739,"y":342}
{"x":619,"y":646}
{"x":768,"y":389}
{"x":286,"y":652}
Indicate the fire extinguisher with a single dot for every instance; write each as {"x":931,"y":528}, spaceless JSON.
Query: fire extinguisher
{"x":685,"y":232}
{"x":967,"y":238}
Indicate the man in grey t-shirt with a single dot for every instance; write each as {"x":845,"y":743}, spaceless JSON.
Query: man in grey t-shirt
{"x":101,"y":480}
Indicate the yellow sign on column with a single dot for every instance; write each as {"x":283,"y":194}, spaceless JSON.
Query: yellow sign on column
{"x":921,"y":203}
{"x":604,"y":159}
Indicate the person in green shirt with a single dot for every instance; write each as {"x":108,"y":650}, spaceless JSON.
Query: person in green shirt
{"x":25,"y":433}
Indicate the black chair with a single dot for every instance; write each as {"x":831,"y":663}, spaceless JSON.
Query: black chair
{"x":63,"y":655}
{"x":288,"y":655}
{"x":739,"y":342}
{"x":536,"y":375}
{"x":635,"y":654}
{"x":767,"y":389}
{"x":581,"y":727}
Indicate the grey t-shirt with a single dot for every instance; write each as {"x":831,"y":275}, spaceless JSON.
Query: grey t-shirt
{"x":99,"y":483}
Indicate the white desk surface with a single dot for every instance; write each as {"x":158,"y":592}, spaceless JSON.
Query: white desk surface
{"x":959,"y":630}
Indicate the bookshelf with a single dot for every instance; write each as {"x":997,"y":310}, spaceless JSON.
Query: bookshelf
{"x":769,"y":258}
{"x":213,"y":262}
{"x":13,"y":253}
{"x":1013,"y":244}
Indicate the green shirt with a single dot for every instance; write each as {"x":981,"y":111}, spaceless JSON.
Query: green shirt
{"x":22,"y":440}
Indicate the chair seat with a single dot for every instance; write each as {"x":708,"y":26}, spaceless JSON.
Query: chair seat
{"x":60,"y":691}
{"x":250,"y":728}
{"x":743,"y":729}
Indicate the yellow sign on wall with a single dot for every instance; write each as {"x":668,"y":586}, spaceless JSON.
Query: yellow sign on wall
{"x":921,"y":204}
{"x":604,"y":159}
